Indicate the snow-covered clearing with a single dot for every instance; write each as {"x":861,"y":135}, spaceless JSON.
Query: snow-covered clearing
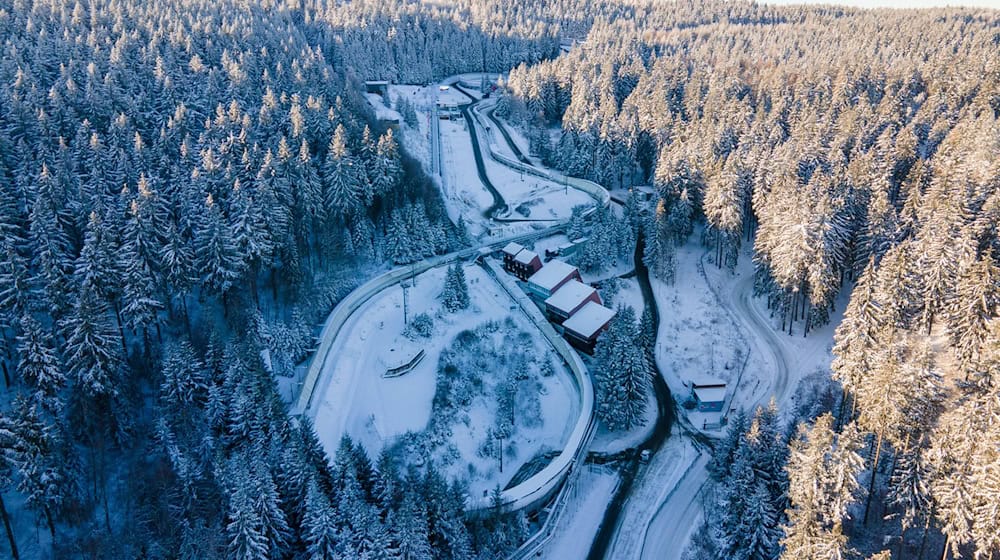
{"x":383,"y":112}
{"x":576,"y":529}
{"x":354,"y":399}
{"x":464,"y":193}
{"x":628,"y":293}
{"x":709,"y":321}
{"x":697,"y":337}
{"x":528,"y":196}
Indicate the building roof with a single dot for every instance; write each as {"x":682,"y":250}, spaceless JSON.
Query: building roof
{"x":706,"y":381}
{"x":569,"y":296}
{"x":589,"y":319}
{"x":512,"y":248}
{"x":376,"y":82}
{"x":710,"y":394}
{"x":554,"y":272}
{"x":526,"y":256}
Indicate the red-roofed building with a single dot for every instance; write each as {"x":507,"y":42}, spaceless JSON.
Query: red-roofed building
{"x":583,"y":328}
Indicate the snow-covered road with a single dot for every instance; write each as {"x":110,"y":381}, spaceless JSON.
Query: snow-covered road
{"x":670,"y":529}
{"x":764,"y":339}
{"x":678,"y":515}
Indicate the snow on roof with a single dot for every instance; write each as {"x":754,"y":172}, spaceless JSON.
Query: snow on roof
{"x":706,"y":381}
{"x":554,"y":272}
{"x":512,"y":248}
{"x":526,"y":256}
{"x":377,"y":83}
{"x":589,"y":319}
{"x":570,"y":295}
{"x":710,"y":394}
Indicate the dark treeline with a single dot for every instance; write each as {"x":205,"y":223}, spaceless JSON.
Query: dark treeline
{"x":185,"y":186}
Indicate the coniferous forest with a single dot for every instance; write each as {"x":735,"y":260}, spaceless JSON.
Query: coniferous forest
{"x":188,"y":187}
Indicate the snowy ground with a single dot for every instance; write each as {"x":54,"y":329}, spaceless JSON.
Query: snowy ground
{"x":629,"y":294}
{"x":528,"y":196}
{"x":354,"y":399}
{"x":613,"y":442}
{"x":710,"y":320}
{"x":582,"y":516}
{"x":463,"y":191}
{"x":697,"y":336}
{"x":382,"y":111}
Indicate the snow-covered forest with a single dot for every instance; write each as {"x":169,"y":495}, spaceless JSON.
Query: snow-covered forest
{"x":189,"y":187}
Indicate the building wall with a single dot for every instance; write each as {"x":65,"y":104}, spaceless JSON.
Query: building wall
{"x":710,"y":406}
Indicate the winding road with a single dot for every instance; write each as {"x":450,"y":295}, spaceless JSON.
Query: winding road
{"x":741,"y":308}
{"x":671,"y":526}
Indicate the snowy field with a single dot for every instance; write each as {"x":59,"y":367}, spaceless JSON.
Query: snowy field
{"x":382,"y":111}
{"x":354,"y":399}
{"x":528,"y":196}
{"x":464,"y":193}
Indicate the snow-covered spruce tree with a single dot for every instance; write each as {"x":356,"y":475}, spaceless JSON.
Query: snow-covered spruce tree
{"x":659,"y":247}
{"x":42,"y":462}
{"x":38,"y":364}
{"x":50,"y":244}
{"x":857,"y":338}
{"x":141,"y":303}
{"x":244,"y":532}
{"x":251,"y":230}
{"x":410,"y":524}
{"x":344,"y":191}
{"x":725,"y":451}
{"x":91,"y":349}
{"x":622,"y":374}
{"x":822,"y":472}
{"x":724,"y":212}
{"x":387,"y":169}
{"x":975,"y":301}
{"x":217,"y":259}
{"x":320,"y":527}
{"x":455,"y":293}
{"x":14,"y":283}
{"x":6,"y":471}
{"x":963,"y":462}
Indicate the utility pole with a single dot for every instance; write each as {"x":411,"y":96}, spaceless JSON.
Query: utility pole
{"x":405,"y":286}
